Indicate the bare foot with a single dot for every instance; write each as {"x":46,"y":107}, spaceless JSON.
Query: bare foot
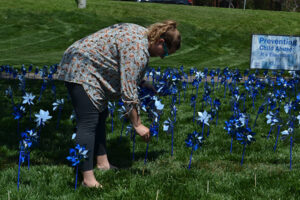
{"x":106,"y":167}
{"x":89,"y":180}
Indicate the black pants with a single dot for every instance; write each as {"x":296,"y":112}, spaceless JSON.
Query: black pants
{"x":90,"y":125}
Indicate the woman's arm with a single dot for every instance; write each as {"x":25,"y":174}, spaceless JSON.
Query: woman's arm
{"x":142,"y":130}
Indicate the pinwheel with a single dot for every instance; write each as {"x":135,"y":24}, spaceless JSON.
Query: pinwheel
{"x":285,"y":134}
{"x":28,"y":99}
{"x":217,"y":104}
{"x":168,"y":126}
{"x":245,"y":137}
{"x":233,"y":125}
{"x":18,"y":113}
{"x":36,"y":71}
{"x":111,"y":109}
{"x":29,"y":138}
{"x":194,"y":140}
{"x":29,"y":70}
{"x":198,"y":78}
{"x":15,"y":73}
{"x":154,"y":132}
{"x":9,"y":93}
{"x":77,"y":155}
{"x":203,"y":117}
{"x":43,"y":88}
{"x":274,"y":119}
{"x":206,"y":95}
{"x":22,"y":83}
{"x":41,"y":118}
{"x":184,"y":87}
{"x":193,"y":104}
{"x":59,"y":103}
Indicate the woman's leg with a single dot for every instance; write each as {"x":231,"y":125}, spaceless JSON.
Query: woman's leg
{"x":88,"y":118}
{"x":100,"y":142}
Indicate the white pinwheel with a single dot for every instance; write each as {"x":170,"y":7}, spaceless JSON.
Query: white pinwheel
{"x":298,"y":117}
{"x":271,"y":118}
{"x":287,"y":132}
{"x":168,"y":125}
{"x":203,"y":117}
{"x":42,"y":117}
{"x":28,"y":98}
{"x":199,"y":75}
{"x":287,"y":107}
{"x":57,"y":103}
{"x":159,"y":106}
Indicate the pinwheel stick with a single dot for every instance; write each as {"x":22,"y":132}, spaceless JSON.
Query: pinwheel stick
{"x":270,"y":132}
{"x":122,"y":128}
{"x":76,"y":176}
{"x":112,"y":122}
{"x":145,"y":161}
{"x":291,"y":146}
{"x":191,"y":157}
{"x":278,"y":131}
{"x":20,"y":155}
{"x":244,"y":148}
{"x":59,"y":115}
{"x":172,"y":140}
{"x":231,"y":144}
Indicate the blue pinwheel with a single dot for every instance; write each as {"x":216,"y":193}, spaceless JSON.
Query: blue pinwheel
{"x":233,"y":125}
{"x":153,"y":132}
{"x":245,"y":137}
{"x":193,"y":104}
{"x":217,"y":104}
{"x":29,"y":139}
{"x":272,"y":119}
{"x":18,"y":113}
{"x":9,"y":93}
{"x":289,"y":133}
{"x":168,"y":126}
{"x":43,"y":88}
{"x":194,"y":140}
{"x":58,"y":105}
{"x":77,"y":155}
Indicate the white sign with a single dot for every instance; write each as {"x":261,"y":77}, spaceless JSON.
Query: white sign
{"x":275,"y":52}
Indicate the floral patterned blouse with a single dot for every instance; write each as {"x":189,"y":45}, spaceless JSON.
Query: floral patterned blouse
{"x":109,"y":64}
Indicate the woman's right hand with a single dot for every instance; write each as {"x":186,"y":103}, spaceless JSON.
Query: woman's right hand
{"x":143,"y":131}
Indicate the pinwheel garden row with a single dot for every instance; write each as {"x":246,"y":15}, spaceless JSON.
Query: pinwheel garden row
{"x":274,"y":96}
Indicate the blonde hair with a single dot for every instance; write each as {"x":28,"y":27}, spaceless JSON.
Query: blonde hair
{"x":166,"y":30}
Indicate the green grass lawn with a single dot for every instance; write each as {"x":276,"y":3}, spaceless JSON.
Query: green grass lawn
{"x":214,"y":174}
{"x":38,"y":32}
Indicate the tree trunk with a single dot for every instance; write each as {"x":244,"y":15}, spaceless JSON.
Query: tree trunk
{"x":81,"y":3}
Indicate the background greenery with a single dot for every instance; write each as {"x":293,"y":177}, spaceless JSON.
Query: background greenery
{"x":38,"y":32}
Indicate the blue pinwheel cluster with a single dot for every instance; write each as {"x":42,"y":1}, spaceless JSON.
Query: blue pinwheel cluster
{"x":77,"y":155}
